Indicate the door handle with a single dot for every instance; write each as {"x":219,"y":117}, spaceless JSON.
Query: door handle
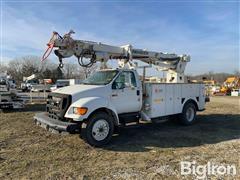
{"x":138,"y":92}
{"x":114,"y":95}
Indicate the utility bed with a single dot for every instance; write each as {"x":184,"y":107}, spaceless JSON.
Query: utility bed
{"x":163,"y":99}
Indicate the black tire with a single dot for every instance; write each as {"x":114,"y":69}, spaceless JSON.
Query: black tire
{"x":89,"y":129}
{"x":174,"y":118}
{"x":184,"y":117}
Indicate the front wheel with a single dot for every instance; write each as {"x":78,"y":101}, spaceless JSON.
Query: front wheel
{"x":188,"y":115}
{"x":98,"y":129}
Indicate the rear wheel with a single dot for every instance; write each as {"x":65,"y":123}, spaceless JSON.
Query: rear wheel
{"x":188,"y":115}
{"x":98,"y":129}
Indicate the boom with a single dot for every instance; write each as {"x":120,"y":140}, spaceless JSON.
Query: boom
{"x":67,"y":47}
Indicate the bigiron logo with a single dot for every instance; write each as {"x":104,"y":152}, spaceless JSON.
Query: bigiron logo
{"x":209,"y":169}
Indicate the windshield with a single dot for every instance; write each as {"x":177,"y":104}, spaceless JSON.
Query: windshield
{"x":33,"y":81}
{"x":62,"y":82}
{"x":100,"y":77}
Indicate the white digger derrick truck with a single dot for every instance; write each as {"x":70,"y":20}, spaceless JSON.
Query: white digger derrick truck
{"x":113,"y":97}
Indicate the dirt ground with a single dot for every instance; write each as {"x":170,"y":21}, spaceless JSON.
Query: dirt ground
{"x":150,"y":151}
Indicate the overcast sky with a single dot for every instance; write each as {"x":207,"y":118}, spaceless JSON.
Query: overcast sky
{"x":208,"y":31}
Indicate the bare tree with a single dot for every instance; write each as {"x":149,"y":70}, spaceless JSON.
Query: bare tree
{"x":70,"y":70}
{"x":28,"y":65}
{"x":15,"y":70}
{"x":3,"y":68}
{"x":25,"y":66}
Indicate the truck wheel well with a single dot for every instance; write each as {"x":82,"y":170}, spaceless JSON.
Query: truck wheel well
{"x":191,"y":101}
{"x":107,"y":111}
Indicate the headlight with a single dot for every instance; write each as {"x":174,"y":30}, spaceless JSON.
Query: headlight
{"x":80,"y":110}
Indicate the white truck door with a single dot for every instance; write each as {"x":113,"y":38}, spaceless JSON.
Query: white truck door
{"x":126,"y":96}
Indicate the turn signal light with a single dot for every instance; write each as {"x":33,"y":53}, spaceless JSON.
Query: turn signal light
{"x":80,"y":110}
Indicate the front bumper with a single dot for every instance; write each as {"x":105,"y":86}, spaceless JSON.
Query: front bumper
{"x":55,"y":125}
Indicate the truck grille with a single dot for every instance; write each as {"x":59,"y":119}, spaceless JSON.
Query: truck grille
{"x":57,"y":105}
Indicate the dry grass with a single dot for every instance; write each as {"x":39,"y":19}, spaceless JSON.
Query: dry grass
{"x":150,"y":151}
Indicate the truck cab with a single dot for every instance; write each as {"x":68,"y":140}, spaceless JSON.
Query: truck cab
{"x":109,"y":89}
{"x":27,"y":85}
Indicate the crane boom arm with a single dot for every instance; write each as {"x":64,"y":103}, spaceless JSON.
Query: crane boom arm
{"x":67,"y":47}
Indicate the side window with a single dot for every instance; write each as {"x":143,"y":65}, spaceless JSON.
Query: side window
{"x":125,"y":79}
{"x":119,"y":83}
{"x":133,"y":79}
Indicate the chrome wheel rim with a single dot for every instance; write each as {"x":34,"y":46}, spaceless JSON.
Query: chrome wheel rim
{"x":100,"y":130}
